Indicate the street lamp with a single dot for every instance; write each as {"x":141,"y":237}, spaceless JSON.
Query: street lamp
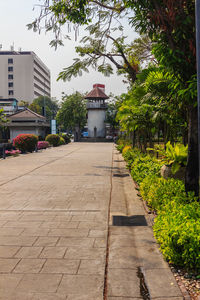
{"x":198,"y":72}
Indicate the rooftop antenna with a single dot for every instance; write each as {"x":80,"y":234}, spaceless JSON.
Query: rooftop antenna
{"x":1,"y":46}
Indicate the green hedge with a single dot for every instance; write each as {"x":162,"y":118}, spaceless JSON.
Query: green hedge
{"x":177,"y":230}
{"x":177,"y":225}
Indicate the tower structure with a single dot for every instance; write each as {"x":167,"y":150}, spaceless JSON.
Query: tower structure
{"x":96,"y":108}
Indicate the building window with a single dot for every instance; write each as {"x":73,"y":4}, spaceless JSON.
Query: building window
{"x":10,"y":61}
{"x":10,"y":76}
{"x":10,"y":84}
{"x":10,"y":93}
{"x":10,"y":69}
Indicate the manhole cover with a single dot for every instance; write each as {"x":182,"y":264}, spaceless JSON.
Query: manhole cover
{"x":120,"y":175}
{"x":129,"y":221}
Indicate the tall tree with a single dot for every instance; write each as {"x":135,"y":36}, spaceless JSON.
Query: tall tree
{"x":45,"y":105}
{"x":72,"y":114}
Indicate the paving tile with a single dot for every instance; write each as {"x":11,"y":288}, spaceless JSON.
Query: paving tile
{"x":48,"y":296}
{"x":97,"y":233}
{"x":53,"y":252}
{"x":90,"y":296}
{"x":64,"y":266}
{"x":9,"y":282}
{"x":35,"y":217}
{"x":15,"y":296}
{"x":46,"y":241}
{"x":100,"y":243}
{"x":62,"y":218}
{"x":76,"y":242}
{"x":39,"y":283}
{"x":29,"y":252}
{"x":29,"y":265}
{"x":7,"y":264}
{"x":68,"y":225}
{"x":86,"y":253}
{"x":11,"y":231}
{"x":35,"y":232}
{"x":50,"y":225}
{"x":123,"y":283}
{"x":164,"y":281}
{"x":17,"y":240}
{"x":69,"y":232}
{"x":92,"y":225}
{"x":126,"y":298}
{"x":8,"y":251}
{"x":92,"y":267}
{"x":23,"y":224}
{"x":123,"y":258}
{"x":81,"y":284}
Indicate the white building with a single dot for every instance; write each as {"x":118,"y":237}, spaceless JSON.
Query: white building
{"x":96,"y":108}
{"x":23,"y":76}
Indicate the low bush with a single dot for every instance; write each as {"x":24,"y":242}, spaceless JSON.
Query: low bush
{"x":25,"y":142}
{"x":53,"y":139}
{"x":159,"y":191}
{"x":144,"y":166}
{"x":177,"y":230}
{"x":67,"y":137}
{"x":42,"y":145}
{"x":62,"y":141}
{"x":130,"y":155}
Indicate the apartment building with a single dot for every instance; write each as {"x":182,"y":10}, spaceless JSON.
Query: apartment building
{"x":23,"y":76}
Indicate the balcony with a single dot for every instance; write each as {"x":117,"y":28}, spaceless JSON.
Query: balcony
{"x":96,"y":105}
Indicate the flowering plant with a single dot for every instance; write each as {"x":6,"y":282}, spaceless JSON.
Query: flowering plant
{"x":25,"y":142}
{"x":42,"y":145}
{"x":12,"y":152}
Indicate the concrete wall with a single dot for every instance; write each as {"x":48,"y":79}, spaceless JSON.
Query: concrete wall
{"x":96,"y":118}
{"x":21,"y":130}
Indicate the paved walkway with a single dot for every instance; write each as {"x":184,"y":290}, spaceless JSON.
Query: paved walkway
{"x":55,"y":242}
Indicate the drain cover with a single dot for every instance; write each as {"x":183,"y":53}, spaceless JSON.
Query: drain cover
{"x":120,"y":175}
{"x":138,"y":220}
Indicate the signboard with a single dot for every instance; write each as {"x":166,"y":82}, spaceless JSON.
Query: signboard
{"x":53,"y":126}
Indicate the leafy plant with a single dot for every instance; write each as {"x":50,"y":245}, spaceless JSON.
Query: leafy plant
{"x":53,"y":139}
{"x":25,"y":142}
{"x":144,"y":166}
{"x":175,"y":156}
{"x":177,"y":231}
{"x":62,"y":141}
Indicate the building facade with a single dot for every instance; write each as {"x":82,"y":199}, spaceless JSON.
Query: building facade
{"x":23,"y":76}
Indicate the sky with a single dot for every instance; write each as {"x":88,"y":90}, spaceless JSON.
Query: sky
{"x":15,"y":15}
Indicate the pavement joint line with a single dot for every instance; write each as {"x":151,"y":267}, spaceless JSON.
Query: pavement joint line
{"x":48,"y":163}
{"x":105,"y":290}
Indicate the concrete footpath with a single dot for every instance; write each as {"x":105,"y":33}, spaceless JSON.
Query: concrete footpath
{"x":57,"y":239}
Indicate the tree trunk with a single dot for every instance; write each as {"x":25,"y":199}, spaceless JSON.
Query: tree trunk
{"x":192,"y":168}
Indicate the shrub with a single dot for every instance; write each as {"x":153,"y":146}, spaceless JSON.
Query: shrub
{"x":130,"y":155}
{"x":62,"y":141}
{"x":125,"y":149}
{"x":120,"y":148}
{"x":66,"y":137}
{"x":53,"y":139}
{"x":42,"y":145}
{"x":144,"y":166}
{"x":25,"y":142}
{"x":159,"y":191}
{"x":177,"y":231}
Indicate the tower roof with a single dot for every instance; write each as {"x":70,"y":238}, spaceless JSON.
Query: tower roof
{"x":96,"y":93}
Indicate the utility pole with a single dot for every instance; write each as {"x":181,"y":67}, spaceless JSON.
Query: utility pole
{"x":198,"y":72}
